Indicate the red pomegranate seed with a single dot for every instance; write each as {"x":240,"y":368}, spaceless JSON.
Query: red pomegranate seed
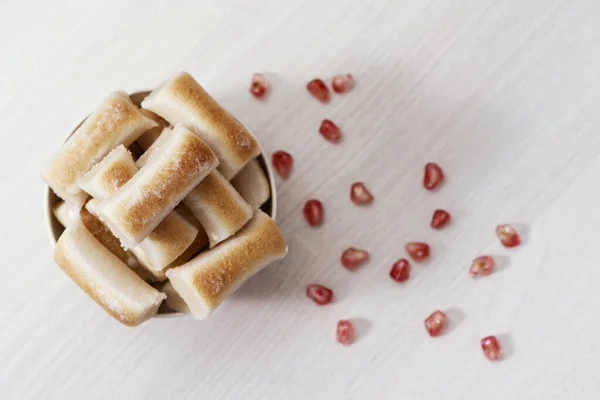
{"x":319,"y":294}
{"x":259,"y":86}
{"x":345,"y":332}
{"x":508,"y":235}
{"x":482,"y":266}
{"x":342,"y":83}
{"x":433,"y":176}
{"x":313,"y":212}
{"x":319,"y":90}
{"x":436,"y":323}
{"x":353,"y":257}
{"x":330,"y":131}
{"x":400,"y":271}
{"x":360,"y":195}
{"x":491,"y":348}
{"x":418,"y":251}
{"x":283,"y":163}
{"x":440,"y":219}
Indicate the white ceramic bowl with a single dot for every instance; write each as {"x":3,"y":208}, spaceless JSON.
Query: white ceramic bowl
{"x":55,"y":229}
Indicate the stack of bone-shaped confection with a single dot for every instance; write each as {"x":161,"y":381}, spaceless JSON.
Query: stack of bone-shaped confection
{"x":184,"y":217}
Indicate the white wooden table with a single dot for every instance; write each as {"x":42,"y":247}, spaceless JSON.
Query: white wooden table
{"x":503,"y":94}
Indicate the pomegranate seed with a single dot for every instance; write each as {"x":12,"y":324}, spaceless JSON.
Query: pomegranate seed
{"x":319,"y":294}
{"x":353,"y":257}
{"x":360,"y":195}
{"x":433,"y":176}
{"x":482,"y":266}
{"x":345,"y":332}
{"x":330,"y":131}
{"x":342,"y":83}
{"x":400,"y":271}
{"x":491,"y":348}
{"x":436,"y":323}
{"x":418,"y":251}
{"x":440,"y":219}
{"x":508,"y":235}
{"x":283,"y":163}
{"x":319,"y":90}
{"x":259,"y":86}
{"x":313,"y":212}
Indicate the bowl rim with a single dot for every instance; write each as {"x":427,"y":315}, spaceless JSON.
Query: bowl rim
{"x":55,"y":228}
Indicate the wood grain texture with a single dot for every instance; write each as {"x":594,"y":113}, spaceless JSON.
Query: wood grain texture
{"x":503,"y":94}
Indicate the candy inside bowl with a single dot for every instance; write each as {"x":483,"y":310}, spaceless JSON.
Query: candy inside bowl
{"x":226,"y":211}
